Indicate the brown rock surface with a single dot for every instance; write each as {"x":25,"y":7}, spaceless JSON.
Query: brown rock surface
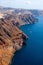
{"x":10,"y":41}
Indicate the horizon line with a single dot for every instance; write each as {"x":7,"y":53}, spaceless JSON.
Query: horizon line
{"x":20,"y":8}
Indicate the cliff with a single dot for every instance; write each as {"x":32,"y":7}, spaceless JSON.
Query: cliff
{"x":19,"y":16}
{"x":11,"y":37}
{"x":10,"y":40}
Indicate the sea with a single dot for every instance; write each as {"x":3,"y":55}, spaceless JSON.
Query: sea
{"x":32,"y":52}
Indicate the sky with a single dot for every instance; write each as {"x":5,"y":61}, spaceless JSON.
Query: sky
{"x":26,"y":4}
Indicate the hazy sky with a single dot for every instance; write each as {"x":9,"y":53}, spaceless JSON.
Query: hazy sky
{"x":27,"y":4}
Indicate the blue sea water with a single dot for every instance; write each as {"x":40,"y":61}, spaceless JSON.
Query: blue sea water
{"x":32,"y":53}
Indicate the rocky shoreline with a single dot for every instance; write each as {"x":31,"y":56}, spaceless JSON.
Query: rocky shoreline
{"x":11,"y":39}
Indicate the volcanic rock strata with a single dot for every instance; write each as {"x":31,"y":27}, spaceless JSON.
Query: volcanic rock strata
{"x":10,"y":41}
{"x":11,"y":37}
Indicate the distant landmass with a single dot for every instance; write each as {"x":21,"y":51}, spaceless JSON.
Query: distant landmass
{"x":15,"y":10}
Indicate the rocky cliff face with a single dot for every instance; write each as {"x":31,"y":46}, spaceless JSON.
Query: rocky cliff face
{"x":19,"y":16}
{"x":10,"y":40}
{"x":11,"y":37}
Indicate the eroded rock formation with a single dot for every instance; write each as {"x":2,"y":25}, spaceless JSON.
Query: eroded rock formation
{"x":10,"y":41}
{"x":11,"y":37}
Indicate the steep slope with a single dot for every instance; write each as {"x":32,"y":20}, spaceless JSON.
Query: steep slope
{"x":11,"y":39}
{"x":21,"y":18}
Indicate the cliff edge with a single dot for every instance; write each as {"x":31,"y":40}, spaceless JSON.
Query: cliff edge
{"x":10,"y":41}
{"x":11,"y":37}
